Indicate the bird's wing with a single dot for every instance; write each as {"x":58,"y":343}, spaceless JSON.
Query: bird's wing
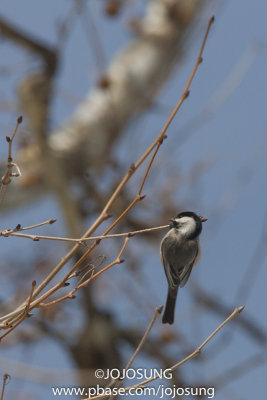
{"x":172,"y":277}
{"x":176,"y":276}
{"x":187,"y":271}
{"x":171,"y":274}
{"x":185,"y":274}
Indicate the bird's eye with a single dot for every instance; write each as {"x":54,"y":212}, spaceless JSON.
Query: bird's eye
{"x":173,"y":223}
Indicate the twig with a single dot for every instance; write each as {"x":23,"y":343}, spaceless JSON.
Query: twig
{"x":189,"y":357}
{"x":119,"y":383}
{"x":150,"y":164}
{"x":236,"y":311}
{"x":6,"y":178}
{"x":6,"y":377}
{"x":157,"y":312}
{"x":117,"y":261}
{"x":136,"y":199}
{"x":24,"y":315}
{"x":197,"y":350}
{"x":9,"y":232}
{"x":39,"y":302}
{"x":48,"y":222}
{"x":18,"y":228}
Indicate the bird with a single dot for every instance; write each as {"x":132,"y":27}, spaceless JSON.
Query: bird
{"x":179,"y":252}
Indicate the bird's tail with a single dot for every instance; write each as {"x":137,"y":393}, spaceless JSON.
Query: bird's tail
{"x":168,"y":316}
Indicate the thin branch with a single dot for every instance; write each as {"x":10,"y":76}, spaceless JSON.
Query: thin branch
{"x":189,"y":357}
{"x":6,"y":377}
{"x":157,"y":312}
{"x":236,"y":311}
{"x":117,"y":261}
{"x":150,"y":164}
{"x":24,"y":315}
{"x":131,"y":205}
{"x":39,"y":302}
{"x":9,"y":232}
{"x":48,"y":222}
{"x":18,"y":228}
{"x":119,"y":383}
{"x":6,"y":178}
{"x":69,"y":296}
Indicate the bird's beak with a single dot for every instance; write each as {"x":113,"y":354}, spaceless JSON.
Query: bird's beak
{"x":203,"y":219}
{"x":172,"y":222}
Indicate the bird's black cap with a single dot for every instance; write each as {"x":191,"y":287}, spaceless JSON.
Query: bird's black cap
{"x":197,"y":218}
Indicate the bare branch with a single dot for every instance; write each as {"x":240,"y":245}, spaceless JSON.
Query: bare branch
{"x":39,"y":302}
{"x":6,"y":178}
{"x":157,"y":312}
{"x":15,"y":232}
{"x":6,"y":377}
{"x":24,"y":315}
{"x":189,"y":357}
{"x":119,"y":383}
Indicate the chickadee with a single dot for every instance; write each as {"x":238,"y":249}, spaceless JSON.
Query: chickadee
{"x":179,"y":252}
